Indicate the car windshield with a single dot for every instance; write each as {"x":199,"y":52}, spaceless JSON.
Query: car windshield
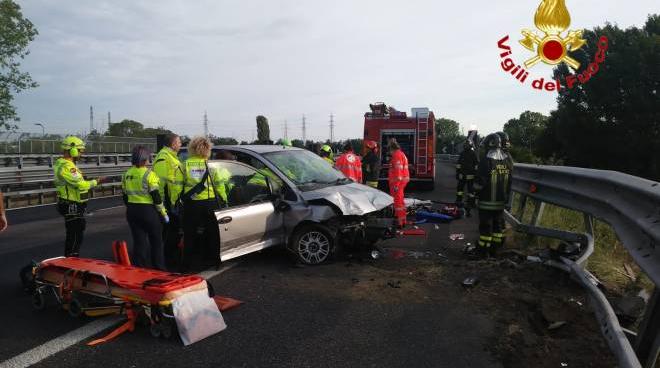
{"x":307,"y":170}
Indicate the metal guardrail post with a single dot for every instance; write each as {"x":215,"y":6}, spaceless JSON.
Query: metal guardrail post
{"x":647,"y":345}
{"x":539,"y":207}
{"x":521,"y":206}
{"x":588,"y":223}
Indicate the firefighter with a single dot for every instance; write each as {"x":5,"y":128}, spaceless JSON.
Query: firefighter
{"x":72,"y":193}
{"x":203,"y":191}
{"x":371,"y":164}
{"x":397,"y":178}
{"x":166,"y":165}
{"x":350,"y":164}
{"x":326,"y":153}
{"x":466,"y":168}
{"x":144,"y":211}
{"x":493,"y":183}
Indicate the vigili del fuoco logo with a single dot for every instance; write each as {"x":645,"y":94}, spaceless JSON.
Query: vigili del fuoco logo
{"x":549,"y":46}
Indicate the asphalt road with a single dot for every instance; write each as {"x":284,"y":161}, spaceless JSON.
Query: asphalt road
{"x":345,"y":314}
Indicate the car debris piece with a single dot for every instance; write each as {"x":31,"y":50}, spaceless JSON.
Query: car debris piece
{"x":470,"y":282}
{"x":437,"y":227}
{"x":412,"y":232}
{"x":534,"y":259}
{"x":556,"y":325}
{"x":375,"y":254}
{"x":457,"y":236}
{"x":394,"y":285}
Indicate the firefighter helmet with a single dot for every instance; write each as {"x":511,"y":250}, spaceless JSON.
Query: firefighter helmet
{"x":492,"y":141}
{"x":286,"y":143}
{"x":506,"y":142}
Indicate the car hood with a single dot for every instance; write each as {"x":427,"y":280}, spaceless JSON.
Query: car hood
{"x":351,"y":199}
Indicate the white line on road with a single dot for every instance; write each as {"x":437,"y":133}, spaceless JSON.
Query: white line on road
{"x":52,"y":347}
{"x":56,"y":345}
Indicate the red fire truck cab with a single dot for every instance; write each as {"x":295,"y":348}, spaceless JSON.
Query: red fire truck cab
{"x":416,"y":135}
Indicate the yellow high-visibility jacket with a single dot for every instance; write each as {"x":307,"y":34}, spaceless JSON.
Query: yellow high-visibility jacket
{"x":138,"y":183}
{"x":166,"y":166}
{"x":192,"y":171}
{"x":70,"y":183}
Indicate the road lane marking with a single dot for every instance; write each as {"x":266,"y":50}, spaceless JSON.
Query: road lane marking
{"x":209,"y":274}
{"x":52,"y":347}
{"x":41,"y":352}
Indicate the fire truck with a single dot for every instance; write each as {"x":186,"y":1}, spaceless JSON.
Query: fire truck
{"x":416,"y":135}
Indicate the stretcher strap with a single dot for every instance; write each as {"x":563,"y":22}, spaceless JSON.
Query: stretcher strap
{"x":129,"y":325}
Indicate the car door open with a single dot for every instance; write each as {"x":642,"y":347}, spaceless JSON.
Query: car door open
{"x":247,"y":220}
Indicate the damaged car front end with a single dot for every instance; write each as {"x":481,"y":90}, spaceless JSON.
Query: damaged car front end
{"x":331,"y":212}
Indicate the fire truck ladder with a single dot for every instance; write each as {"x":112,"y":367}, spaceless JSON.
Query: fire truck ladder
{"x":422,"y":144}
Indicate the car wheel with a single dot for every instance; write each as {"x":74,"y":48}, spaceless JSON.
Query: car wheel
{"x":313,"y":244}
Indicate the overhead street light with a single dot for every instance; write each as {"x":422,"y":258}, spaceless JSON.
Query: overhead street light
{"x":43,"y":129}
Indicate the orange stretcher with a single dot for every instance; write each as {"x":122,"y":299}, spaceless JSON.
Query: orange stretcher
{"x":94,"y":288}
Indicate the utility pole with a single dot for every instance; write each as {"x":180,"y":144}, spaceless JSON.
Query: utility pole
{"x":286,"y":130}
{"x":304,"y":123}
{"x":206,"y":125}
{"x":332,"y":128}
{"x":109,"y":120}
{"x":91,"y":118}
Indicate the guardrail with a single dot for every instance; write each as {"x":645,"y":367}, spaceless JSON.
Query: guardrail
{"x":27,"y":160}
{"x":631,"y":205}
{"x":34,"y":185}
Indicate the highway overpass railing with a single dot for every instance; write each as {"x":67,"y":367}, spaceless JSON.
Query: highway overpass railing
{"x":631,"y":205}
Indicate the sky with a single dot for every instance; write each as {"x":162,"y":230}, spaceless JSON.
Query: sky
{"x":166,"y":62}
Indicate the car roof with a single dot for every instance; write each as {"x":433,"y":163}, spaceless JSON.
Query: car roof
{"x":259,"y":148}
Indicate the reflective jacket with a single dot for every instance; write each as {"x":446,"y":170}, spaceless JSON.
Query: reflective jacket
{"x":329,"y":160}
{"x":350,"y":165}
{"x":192,"y":171}
{"x":398,"y":171}
{"x":165,"y":166}
{"x":467,"y":163}
{"x":139,"y":185}
{"x":371,"y":166}
{"x":494,"y":181}
{"x":70,"y":183}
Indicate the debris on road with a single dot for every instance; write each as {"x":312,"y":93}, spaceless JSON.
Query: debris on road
{"x":470,"y":282}
{"x":556,"y":325}
{"x":394,"y":285}
{"x":412,"y":232}
{"x":457,"y":236}
{"x":534,"y":259}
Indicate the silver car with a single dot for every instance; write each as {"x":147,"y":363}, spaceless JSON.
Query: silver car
{"x":284,"y":196}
